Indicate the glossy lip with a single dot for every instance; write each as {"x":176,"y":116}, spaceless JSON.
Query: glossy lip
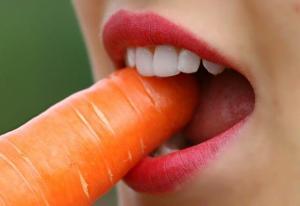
{"x":168,"y":172}
{"x":164,"y":173}
{"x":128,"y":29}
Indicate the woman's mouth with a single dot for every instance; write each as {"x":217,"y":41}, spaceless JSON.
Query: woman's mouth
{"x":158,"y":47}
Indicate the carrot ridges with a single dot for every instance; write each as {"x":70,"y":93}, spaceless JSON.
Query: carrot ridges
{"x":78,"y":149}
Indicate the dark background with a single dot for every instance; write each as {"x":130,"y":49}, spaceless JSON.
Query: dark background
{"x":42,"y":60}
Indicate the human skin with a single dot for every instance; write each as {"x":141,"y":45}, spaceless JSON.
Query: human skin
{"x":262,"y":166}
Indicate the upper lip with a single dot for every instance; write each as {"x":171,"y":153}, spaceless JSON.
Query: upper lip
{"x":136,"y":29}
{"x":128,"y":29}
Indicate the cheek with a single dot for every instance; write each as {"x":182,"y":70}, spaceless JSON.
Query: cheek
{"x":91,"y":15}
{"x":296,"y":7}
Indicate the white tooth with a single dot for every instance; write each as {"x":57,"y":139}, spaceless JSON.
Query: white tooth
{"x":165,"y":61}
{"x":166,"y":150}
{"x":188,"y":62}
{"x":163,"y":150}
{"x":130,"y":57}
{"x":144,"y":61}
{"x":213,"y":68}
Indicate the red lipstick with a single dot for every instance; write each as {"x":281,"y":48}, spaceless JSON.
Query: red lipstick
{"x":165,"y":173}
{"x":126,"y":29}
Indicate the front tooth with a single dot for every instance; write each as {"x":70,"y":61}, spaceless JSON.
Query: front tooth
{"x":144,"y":61}
{"x":213,"y":68}
{"x":165,"y":61}
{"x":130,"y":57}
{"x":188,"y":62}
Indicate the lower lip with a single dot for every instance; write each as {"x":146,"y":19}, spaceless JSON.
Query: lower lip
{"x":168,"y":172}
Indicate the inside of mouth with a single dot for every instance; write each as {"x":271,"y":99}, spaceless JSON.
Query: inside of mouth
{"x":226,"y":99}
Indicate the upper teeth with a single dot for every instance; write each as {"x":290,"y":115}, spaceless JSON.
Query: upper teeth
{"x":166,"y":61}
{"x":188,"y":62}
{"x":130,"y":57}
{"x":144,"y":61}
{"x":213,"y":68}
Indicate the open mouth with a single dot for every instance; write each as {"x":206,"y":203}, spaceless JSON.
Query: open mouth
{"x":156,"y":47}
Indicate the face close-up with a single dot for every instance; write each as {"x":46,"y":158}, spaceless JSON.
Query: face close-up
{"x":242,"y":146}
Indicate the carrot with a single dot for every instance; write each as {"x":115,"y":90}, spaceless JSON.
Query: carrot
{"x":78,"y":149}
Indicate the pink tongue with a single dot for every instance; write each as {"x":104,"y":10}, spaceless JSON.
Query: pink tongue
{"x":225,"y":100}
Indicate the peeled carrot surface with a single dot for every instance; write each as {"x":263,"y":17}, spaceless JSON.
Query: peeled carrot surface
{"x":78,"y":149}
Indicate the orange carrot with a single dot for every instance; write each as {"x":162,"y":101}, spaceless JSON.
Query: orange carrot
{"x":78,"y":149}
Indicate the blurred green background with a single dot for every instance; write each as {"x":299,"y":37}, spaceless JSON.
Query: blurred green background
{"x":42,"y":60}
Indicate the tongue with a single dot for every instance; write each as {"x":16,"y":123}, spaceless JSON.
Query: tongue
{"x":225,"y":100}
